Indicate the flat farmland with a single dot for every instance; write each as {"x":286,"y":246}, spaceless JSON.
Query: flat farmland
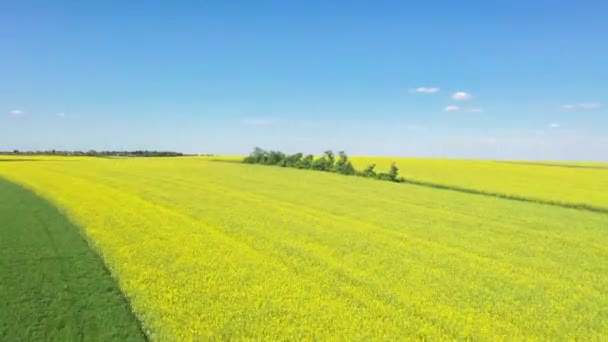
{"x":566,"y":183}
{"x":206,"y":249}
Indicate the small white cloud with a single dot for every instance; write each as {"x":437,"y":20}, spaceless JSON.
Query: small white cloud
{"x":451,"y":108}
{"x":554,"y":125}
{"x":16,"y":112}
{"x":581,"y":106}
{"x":61,"y":115}
{"x":461,"y":96}
{"x":425,"y":90}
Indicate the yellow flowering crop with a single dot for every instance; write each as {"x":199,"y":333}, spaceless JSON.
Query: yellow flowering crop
{"x":566,"y":183}
{"x":230,"y":251}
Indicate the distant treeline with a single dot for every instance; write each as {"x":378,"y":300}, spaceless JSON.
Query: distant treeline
{"x":93,"y":153}
{"x":328,"y":163}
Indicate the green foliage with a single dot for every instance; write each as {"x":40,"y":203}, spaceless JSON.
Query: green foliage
{"x":293,"y":160}
{"x":258,"y":156}
{"x":330,"y":159}
{"x":391,"y":175}
{"x":274,"y":158}
{"x":306,"y":162}
{"x":326,"y":163}
{"x":394,"y":171}
{"x":346,"y":168}
{"x":369,"y":171}
{"x":343,"y":165}
{"x":342,"y":159}
{"x":321,"y":164}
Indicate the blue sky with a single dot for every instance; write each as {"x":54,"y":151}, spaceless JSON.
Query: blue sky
{"x":470,"y":79}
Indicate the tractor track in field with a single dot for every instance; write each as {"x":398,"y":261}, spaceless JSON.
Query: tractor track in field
{"x":577,"y":206}
{"x":570,"y":166}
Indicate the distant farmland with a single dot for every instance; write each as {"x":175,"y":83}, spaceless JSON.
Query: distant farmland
{"x":565,"y":183}
{"x":205,"y":249}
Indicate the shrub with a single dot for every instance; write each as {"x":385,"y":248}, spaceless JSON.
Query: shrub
{"x":369,"y":171}
{"x":258,"y":156}
{"x":391,"y":175}
{"x":274,"y":157}
{"x":321,"y":164}
{"x":393,"y":172}
{"x":293,"y":160}
{"x":306,"y":162}
{"x":346,"y":169}
{"x":329,"y":159}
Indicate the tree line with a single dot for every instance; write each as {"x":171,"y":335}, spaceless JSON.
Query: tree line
{"x":328,"y":162}
{"x":94,"y":153}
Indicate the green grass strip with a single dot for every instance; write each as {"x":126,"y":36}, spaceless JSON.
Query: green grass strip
{"x":53,"y":286}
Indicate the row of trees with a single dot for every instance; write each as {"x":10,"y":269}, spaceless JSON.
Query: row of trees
{"x":328,"y":162}
{"x":93,"y":153}
{"x":138,"y":153}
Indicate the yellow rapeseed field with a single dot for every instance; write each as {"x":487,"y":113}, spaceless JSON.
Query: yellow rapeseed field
{"x":567,"y":183}
{"x":229,"y":251}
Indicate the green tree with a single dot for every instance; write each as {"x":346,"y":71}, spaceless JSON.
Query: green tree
{"x":274,"y":158}
{"x":306,"y":162}
{"x":343,"y":165}
{"x":369,"y":171}
{"x":329,"y":159}
{"x":293,"y":160}
{"x":320,"y":164}
{"x":394,"y":172}
{"x":391,"y":175}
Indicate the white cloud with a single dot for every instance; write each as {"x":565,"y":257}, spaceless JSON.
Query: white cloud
{"x":425,"y":90}
{"x":451,"y":108}
{"x":61,"y":115}
{"x":581,"y":106}
{"x":16,"y":112}
{"x":461,"y":96}
{"x":554,"y":125}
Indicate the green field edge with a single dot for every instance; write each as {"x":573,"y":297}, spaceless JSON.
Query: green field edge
{"x":513,"y":197}
{"x":143,"y":334}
